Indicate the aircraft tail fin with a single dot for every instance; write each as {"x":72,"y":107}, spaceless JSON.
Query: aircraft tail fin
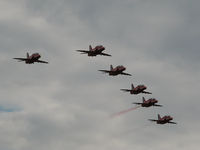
{"x":132,"y":86}
{"x":159,"y":117}
{"x":143,"y":99}
{"x":90,"y":47}
{"x":27,"y":55}
{"x":111,"y":67}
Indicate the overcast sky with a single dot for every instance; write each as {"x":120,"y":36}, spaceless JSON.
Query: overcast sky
{"x":67,"y":103}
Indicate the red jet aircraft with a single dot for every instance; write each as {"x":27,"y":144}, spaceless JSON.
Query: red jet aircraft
{"x":31,"y":59}
{"x":116,"y":71}
{"x":163,"y":120}
{"x":137,"y":90}
{"x":148,"y":103}
{"x":94,"y":51}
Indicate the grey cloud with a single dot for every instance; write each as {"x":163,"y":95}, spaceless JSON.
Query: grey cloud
{"x":67,"y":104}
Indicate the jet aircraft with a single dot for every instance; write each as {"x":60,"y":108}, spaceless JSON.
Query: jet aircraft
{"x":98,"y":50}
{"x":136,"y":90}
{"x":149,"y":102}
{"x":163,"y":120}
{"x":116,"y":71}
{"x":31,"y":59}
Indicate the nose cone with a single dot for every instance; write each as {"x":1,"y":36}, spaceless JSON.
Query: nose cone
{"x":103,"y":48}
{"x":156,"y":101}
{"x":145,"y":87}
{"x":123,"y":68}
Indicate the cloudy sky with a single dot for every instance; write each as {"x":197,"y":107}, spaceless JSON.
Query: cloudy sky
{"x":67,"y":104}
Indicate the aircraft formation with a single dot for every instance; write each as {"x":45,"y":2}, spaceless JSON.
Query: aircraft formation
{"x":118,"y":70}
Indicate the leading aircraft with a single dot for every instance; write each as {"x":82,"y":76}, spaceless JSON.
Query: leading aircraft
{"x":136,"y":90}
{"x":148,"y":103}
{"x":163,"y":120}
{"x":98,"y":50}
{"x":32,"y":59}
{"x":116,"y":71}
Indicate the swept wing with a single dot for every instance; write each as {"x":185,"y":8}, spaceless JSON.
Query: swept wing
{"x":125,"y":90}
{"x":126,"y":74}
{"x":41,"y":61}
{"x":104,"y":54}
{"x":21,"y":59}
{"x":146,"y":92}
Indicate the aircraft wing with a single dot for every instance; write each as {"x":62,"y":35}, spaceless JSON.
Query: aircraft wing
{"x":126,"y":74}
{"x":157,"y":105}
{"x":83,"y":51}
{"x":152,"y":120}
{"x":40,"y":61}
{"x":21,"y":59}
{"x":125,"y":90}
{"x":137,"y":103}
{"x":104,"y":54}
{"x":146,"y":92}
{"x":105,"y":71}
{"x":172,"y":122}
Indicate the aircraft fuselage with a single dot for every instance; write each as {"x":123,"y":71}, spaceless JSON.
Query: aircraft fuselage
{"x":116,"y":71}
{"x":33,"y":58}
{"x":96,"y":51}
{"x":138,"y":89}
{"x":164,"y":120}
